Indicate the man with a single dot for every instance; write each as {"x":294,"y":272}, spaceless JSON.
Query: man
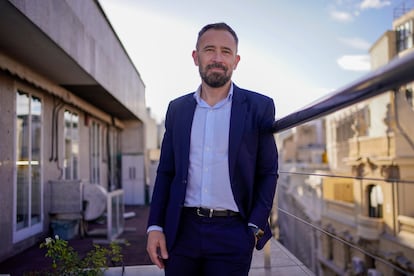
{"x":218,"y":169}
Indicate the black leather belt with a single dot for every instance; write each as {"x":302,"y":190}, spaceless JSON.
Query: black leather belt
{"x":205,"y":212}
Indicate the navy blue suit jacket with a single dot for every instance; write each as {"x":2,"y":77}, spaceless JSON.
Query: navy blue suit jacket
{"x":252,"y":161}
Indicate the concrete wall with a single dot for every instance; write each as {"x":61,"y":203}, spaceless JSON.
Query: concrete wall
{"x":79,"y":28}
{"x":7,"y":104}
{"x":383,"y":50}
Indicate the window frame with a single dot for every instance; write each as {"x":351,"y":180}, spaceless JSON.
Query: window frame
{"x":74,"y":167}
{"x":31,"y":229}
{"x":95,"y":151}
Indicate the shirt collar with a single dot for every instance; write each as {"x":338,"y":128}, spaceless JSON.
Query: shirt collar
{"x":200,"y":101}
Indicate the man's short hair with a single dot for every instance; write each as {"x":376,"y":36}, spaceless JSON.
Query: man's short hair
{"x":218,"y":26}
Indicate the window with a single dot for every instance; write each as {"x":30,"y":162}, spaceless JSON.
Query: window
{"x":375,"y":200}
{"x":28,"y":202}
{"x":344,"y":130}
{"x":404,"y":36}
{"x":113,"y":158}
{"x":409,"y":96}
{"x":71,"y":136}
{"x":95,"y":152}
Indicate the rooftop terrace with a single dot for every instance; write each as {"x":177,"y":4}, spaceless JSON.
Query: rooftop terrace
{"x":136,"y":261}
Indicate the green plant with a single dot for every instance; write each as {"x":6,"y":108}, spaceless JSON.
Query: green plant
{"x":66,"y":261}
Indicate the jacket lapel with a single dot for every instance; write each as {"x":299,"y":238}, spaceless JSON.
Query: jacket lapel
{"x":237,"y":120}
{"x":186,"y":121}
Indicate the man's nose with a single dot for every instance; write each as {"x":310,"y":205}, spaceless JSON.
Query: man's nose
{"x":217,"y":57}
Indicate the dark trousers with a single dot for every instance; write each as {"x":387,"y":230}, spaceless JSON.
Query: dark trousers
{"x":217,"y":246}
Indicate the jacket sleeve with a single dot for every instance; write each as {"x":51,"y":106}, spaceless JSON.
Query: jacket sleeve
{"x":266,"y":174}
{"x":165,"y":174}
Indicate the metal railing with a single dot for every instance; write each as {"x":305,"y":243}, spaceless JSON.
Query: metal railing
{"x":389,"y":77}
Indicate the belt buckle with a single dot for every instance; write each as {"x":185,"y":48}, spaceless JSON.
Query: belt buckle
{"x":210,"y":214}
{"x":199,"y":214}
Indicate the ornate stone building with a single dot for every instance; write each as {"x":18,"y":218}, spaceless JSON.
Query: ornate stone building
{"x":299,"y":195}
{"x":368,"y":211}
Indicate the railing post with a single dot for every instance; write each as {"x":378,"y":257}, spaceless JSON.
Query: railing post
{"x":267,"y":254}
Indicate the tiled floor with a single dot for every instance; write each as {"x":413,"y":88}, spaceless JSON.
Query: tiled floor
{"x":282,"y":263}
{"x":136,"y":260}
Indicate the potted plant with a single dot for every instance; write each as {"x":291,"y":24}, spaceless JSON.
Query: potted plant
{"x":66,"y":261}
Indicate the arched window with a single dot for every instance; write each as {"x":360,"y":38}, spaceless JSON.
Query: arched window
{"x":375,"y":201}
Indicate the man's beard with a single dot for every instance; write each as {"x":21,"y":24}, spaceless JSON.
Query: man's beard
{"x":215,"y":79}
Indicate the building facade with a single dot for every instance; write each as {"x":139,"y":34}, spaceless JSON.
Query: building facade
{"x":368,"y":216}
{"x":72,"y":104}
{"x":344,"y":200}
{"x":302,"y":158}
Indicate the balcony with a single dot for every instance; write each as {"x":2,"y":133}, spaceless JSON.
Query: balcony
{"x":370,"y":228}
{"x":274,"y":259}
{"x":406,"y":225}
{"x":342,"y":210}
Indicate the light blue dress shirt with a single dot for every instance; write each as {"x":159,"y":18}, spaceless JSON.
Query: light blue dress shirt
{"x":208,"y":183}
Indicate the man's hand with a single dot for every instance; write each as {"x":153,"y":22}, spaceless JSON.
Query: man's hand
{"x":156,"y":248}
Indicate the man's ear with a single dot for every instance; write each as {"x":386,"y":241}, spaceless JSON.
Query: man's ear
{"x":195,"y":57}
{"x":237,"y":62}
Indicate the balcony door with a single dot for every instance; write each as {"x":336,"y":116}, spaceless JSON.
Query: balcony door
{"x":28,"y":203}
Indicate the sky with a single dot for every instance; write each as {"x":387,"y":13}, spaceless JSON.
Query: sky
{"x":295,"y":52}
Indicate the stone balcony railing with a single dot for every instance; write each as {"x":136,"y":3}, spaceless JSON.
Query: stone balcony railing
{"x":338,"y":209}
{"x":369,"y":228}
{"x":406,"y":224}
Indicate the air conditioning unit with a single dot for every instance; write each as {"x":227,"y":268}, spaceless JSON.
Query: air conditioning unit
{"x":74,"y":197}
{"x":65,"y":197}
{"x":73,"y":200}
{"x":95,"y":198}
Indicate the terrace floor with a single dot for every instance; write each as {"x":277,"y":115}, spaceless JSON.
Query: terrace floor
{"x":136,"y":260}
